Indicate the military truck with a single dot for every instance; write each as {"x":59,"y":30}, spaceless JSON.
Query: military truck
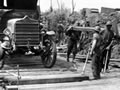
{"x":21,"y":32}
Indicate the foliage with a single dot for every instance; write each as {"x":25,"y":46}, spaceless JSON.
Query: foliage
{"x":73,"y":17}
{"x":55,"y":17}
{"x":64,"y":16}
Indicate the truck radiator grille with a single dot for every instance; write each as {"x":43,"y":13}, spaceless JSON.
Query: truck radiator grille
{"x":27,"y":33}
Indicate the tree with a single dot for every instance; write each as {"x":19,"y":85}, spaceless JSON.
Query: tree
{"x":51,"y":8}
{"x":73,"y":6}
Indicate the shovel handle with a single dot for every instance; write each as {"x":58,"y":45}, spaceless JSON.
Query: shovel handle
{"x":84,"y":67}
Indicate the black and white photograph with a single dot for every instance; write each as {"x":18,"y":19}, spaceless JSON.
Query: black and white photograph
{"x":59,"y":45}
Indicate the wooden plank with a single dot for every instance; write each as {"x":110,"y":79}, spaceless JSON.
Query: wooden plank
{"x":84,"y":29}
{"x":84,"y":56}
{"x":33,"y":70}
{"x":43,"y":86}
{"x":58,"y":78}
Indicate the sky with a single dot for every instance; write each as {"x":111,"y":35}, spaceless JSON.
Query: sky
{"x":79,"y":4}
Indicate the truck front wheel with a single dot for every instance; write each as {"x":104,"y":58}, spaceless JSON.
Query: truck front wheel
{"x":2,"y":54}
{"x":49,"y":56}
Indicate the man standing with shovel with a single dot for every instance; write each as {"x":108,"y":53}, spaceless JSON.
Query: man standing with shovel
{"x":95,"y":53}
{"x":107,"y":36}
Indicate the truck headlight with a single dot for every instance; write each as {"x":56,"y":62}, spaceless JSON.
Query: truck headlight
{"x":6,"y":38}
{"x":6,"y":43}
{"x":7,"y":32}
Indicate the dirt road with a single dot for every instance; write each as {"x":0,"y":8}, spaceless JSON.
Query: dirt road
{"x":108,"y":81}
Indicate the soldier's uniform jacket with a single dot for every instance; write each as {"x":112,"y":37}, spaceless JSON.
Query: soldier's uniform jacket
{"x":74,"y":35}
{"x":107,"y":37}
{"x":98,"y":38}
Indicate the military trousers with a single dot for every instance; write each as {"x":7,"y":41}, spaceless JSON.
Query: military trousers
{"x":105,"y":57}
{"x":72,"y":48}
{"x":96,"y":65}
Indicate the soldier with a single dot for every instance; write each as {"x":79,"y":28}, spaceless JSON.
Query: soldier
{"x":74,"y":37}
{"x":115,"y":20}
{"x":60,"y":33}
{"x":72,"y":44}
{"x":95,"y":51}
{"x":107,"y":36}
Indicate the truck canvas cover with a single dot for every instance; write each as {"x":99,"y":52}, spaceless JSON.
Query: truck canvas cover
{"x":18,"y":4}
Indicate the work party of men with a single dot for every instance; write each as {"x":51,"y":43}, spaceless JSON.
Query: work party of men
{"x":100,"y":49}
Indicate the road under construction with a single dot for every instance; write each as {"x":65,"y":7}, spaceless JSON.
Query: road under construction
{"x":28,"y":73}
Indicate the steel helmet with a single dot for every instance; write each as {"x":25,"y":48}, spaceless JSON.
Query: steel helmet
{"x":97,"y":28}
{"x":108,"y":23}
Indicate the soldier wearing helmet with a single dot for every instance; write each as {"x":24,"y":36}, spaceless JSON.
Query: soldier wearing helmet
{"x":74,"y":37}
{"x":95,"y":50}
{"x":107,"y":36}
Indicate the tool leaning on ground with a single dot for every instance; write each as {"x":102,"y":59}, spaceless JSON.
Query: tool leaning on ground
{"x":84,"y":67}
{"x":106,"y":59}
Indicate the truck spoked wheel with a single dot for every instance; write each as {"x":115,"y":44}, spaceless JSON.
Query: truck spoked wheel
{"x":49,"y":56}
{"x":2,"y":53}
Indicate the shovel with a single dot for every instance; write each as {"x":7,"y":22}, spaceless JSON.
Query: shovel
{"x":84,"y":67}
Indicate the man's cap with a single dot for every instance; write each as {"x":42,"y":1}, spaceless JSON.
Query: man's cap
{"x":97,"y":28}
{"x":109,"y":23}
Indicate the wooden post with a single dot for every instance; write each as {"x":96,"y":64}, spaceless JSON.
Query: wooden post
{"x":18,"y":78}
